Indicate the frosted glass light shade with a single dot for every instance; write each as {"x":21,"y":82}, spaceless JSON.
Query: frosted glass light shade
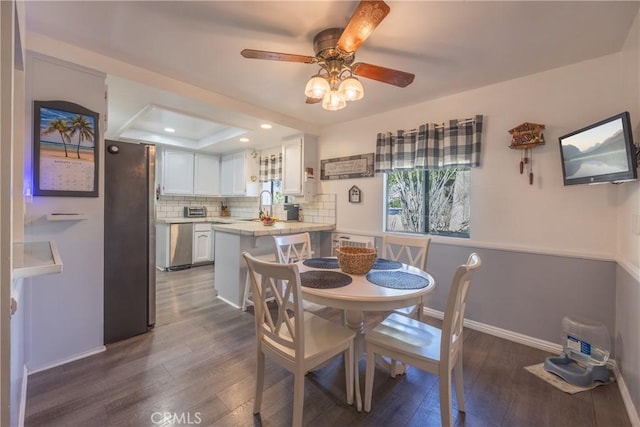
{"x":351,"y":89}
{"x":317,"y":87}
{"x":333,"y":101}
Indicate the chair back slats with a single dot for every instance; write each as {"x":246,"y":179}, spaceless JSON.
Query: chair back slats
{"x":277,"y":324}
{"x":453,"y":321}
{"x":412,"y":250}
{"x":293,"y":248}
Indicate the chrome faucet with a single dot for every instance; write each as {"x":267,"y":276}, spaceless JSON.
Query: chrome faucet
{"x":270,"y":201}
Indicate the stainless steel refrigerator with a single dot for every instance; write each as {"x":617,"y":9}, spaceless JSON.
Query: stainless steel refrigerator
{"x":129,"y":240}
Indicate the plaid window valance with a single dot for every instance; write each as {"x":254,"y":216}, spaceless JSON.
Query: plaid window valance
{"x":431,"y":146}
{"x":271,"y":168}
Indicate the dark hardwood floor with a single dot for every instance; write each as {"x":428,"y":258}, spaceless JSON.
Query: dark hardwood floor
{"x":197,"y":368}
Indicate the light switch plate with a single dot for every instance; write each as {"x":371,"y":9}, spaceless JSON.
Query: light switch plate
{"x":635,"y":224}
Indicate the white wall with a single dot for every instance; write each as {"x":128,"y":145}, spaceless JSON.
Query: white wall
{"x":589,"y":225}
{"x":65,"y":310}
{"x":627,"y":337}
{"x":505,"y":210}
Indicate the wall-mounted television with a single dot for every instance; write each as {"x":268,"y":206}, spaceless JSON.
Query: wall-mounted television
{"x":601,"y":152}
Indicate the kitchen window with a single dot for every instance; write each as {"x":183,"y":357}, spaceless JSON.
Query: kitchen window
{"x":275,"y":187}
{"x":428,"y":201}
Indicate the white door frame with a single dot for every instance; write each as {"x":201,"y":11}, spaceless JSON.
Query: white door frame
{"x":7,"y":32}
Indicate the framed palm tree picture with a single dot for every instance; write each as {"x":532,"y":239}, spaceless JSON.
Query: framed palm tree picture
{"x":65,"y":159}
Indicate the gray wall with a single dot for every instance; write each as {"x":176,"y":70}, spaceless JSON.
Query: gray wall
{"x":527,"y":293}
{"x":627,"y":337}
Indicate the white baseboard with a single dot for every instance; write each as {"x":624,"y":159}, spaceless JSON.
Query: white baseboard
{"x":502,"y":333}
{"x":67,"y":360}
{"x":626,"y":397}
{"x":546,"y":346}
{"x":23,"y":397}
{"x":228,"y":302}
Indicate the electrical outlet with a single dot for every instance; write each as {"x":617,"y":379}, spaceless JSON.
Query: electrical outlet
{"x":635,"y":224}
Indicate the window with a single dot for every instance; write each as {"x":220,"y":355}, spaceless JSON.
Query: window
{"x":275,"y":187}
{"x":428,"y":201}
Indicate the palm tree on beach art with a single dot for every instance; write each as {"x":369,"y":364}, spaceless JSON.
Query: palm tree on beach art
{"x":60,"y":126}
{"x":81,"y":126}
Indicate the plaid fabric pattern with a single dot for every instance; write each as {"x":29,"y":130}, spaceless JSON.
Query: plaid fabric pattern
{"x":271,"y":168}
{"x":461,"y":144}
{"x":431,"y":146}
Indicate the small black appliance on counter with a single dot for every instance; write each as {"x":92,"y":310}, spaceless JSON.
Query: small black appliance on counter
{"x":293,"y":212}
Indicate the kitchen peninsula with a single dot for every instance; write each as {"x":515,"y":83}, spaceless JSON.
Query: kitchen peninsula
{"x":233,"y":239}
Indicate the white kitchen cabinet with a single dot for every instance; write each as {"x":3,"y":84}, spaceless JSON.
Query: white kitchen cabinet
{"x":226,"y":175}
{"x":202,"y":243}
{"x":177,"y":172}
{"x":239,"y":174}
{"x":206,"y":177}
{"x":299,"y":153}
{"x":239,"y":182}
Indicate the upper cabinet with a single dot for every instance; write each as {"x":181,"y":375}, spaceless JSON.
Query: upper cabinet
{"x":239,"y":174}
{"x":299,"y":155}
{"x":186,"y":173}
{"x":177,"y":172}
{"x":206,"y":177}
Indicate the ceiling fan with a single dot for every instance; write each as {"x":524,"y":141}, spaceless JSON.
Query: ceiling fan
{"x":335,"y":48}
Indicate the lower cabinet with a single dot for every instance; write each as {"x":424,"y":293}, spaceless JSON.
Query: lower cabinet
{"x":202,"y":236}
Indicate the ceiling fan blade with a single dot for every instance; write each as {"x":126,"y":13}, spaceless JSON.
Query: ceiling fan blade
{"x":277,"y":56}
{"x":382,"y":74}
{"x":364,"y":20}
{"x":313,"y":100}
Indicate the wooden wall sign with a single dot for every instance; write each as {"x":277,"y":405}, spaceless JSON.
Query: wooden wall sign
{"x":358,"y":166}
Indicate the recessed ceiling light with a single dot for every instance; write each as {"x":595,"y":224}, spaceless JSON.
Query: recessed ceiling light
{"x":266,"y":126}
{"x":244,"y":139}
{"x":169,"y":130}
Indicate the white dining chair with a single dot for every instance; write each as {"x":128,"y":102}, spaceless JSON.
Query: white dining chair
{"x":438,"y":351}
{"x":411,"y":250}
{"x":293,"y":247}
{"x":247,"y":298}
{"x":297,"y":340}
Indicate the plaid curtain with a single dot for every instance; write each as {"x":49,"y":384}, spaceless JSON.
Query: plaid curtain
{"x":271,"y":168}
{"x":432,"y":146}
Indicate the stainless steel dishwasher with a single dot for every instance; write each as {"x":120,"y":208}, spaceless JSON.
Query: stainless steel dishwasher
{"x":181,"y":246}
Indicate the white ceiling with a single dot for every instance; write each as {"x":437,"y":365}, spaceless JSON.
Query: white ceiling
{"x":450,"y":46}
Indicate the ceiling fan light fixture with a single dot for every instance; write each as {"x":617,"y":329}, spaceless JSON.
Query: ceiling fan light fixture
{"x":333,"y":101}
{"x":317,"y":87}
{"x":351,"y":89}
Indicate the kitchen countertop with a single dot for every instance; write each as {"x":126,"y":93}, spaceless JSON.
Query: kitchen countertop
{"x":212,"y":219}
{"x":255,"y":228}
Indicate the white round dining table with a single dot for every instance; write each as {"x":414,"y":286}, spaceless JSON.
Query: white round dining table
{"x":361,"y":295}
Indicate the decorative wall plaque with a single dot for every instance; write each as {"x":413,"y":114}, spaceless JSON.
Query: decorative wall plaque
{"x":355,"y":195}
{"x":358,"y":166}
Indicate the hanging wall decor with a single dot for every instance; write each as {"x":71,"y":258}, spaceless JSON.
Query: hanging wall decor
{"x":357,"y":166}
{"x":524,"y":138}
{"x":355,"y":195}
{"x":65,"y":150}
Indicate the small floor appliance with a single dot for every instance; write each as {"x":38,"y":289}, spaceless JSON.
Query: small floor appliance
{"x":586,"y":347}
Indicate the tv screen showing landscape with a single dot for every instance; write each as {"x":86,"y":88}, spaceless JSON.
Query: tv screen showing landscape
{"x":598,"y":153}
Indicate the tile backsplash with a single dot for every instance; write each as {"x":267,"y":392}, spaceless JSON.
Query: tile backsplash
{"x":322,"y":209}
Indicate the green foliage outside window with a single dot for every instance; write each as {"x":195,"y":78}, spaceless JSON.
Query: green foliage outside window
{"x":428,"y":201}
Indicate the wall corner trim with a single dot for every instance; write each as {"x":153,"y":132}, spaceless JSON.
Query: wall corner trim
{"x":632,"y":412}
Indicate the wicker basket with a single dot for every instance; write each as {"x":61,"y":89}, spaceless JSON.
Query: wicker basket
{"x":356,"y":260}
